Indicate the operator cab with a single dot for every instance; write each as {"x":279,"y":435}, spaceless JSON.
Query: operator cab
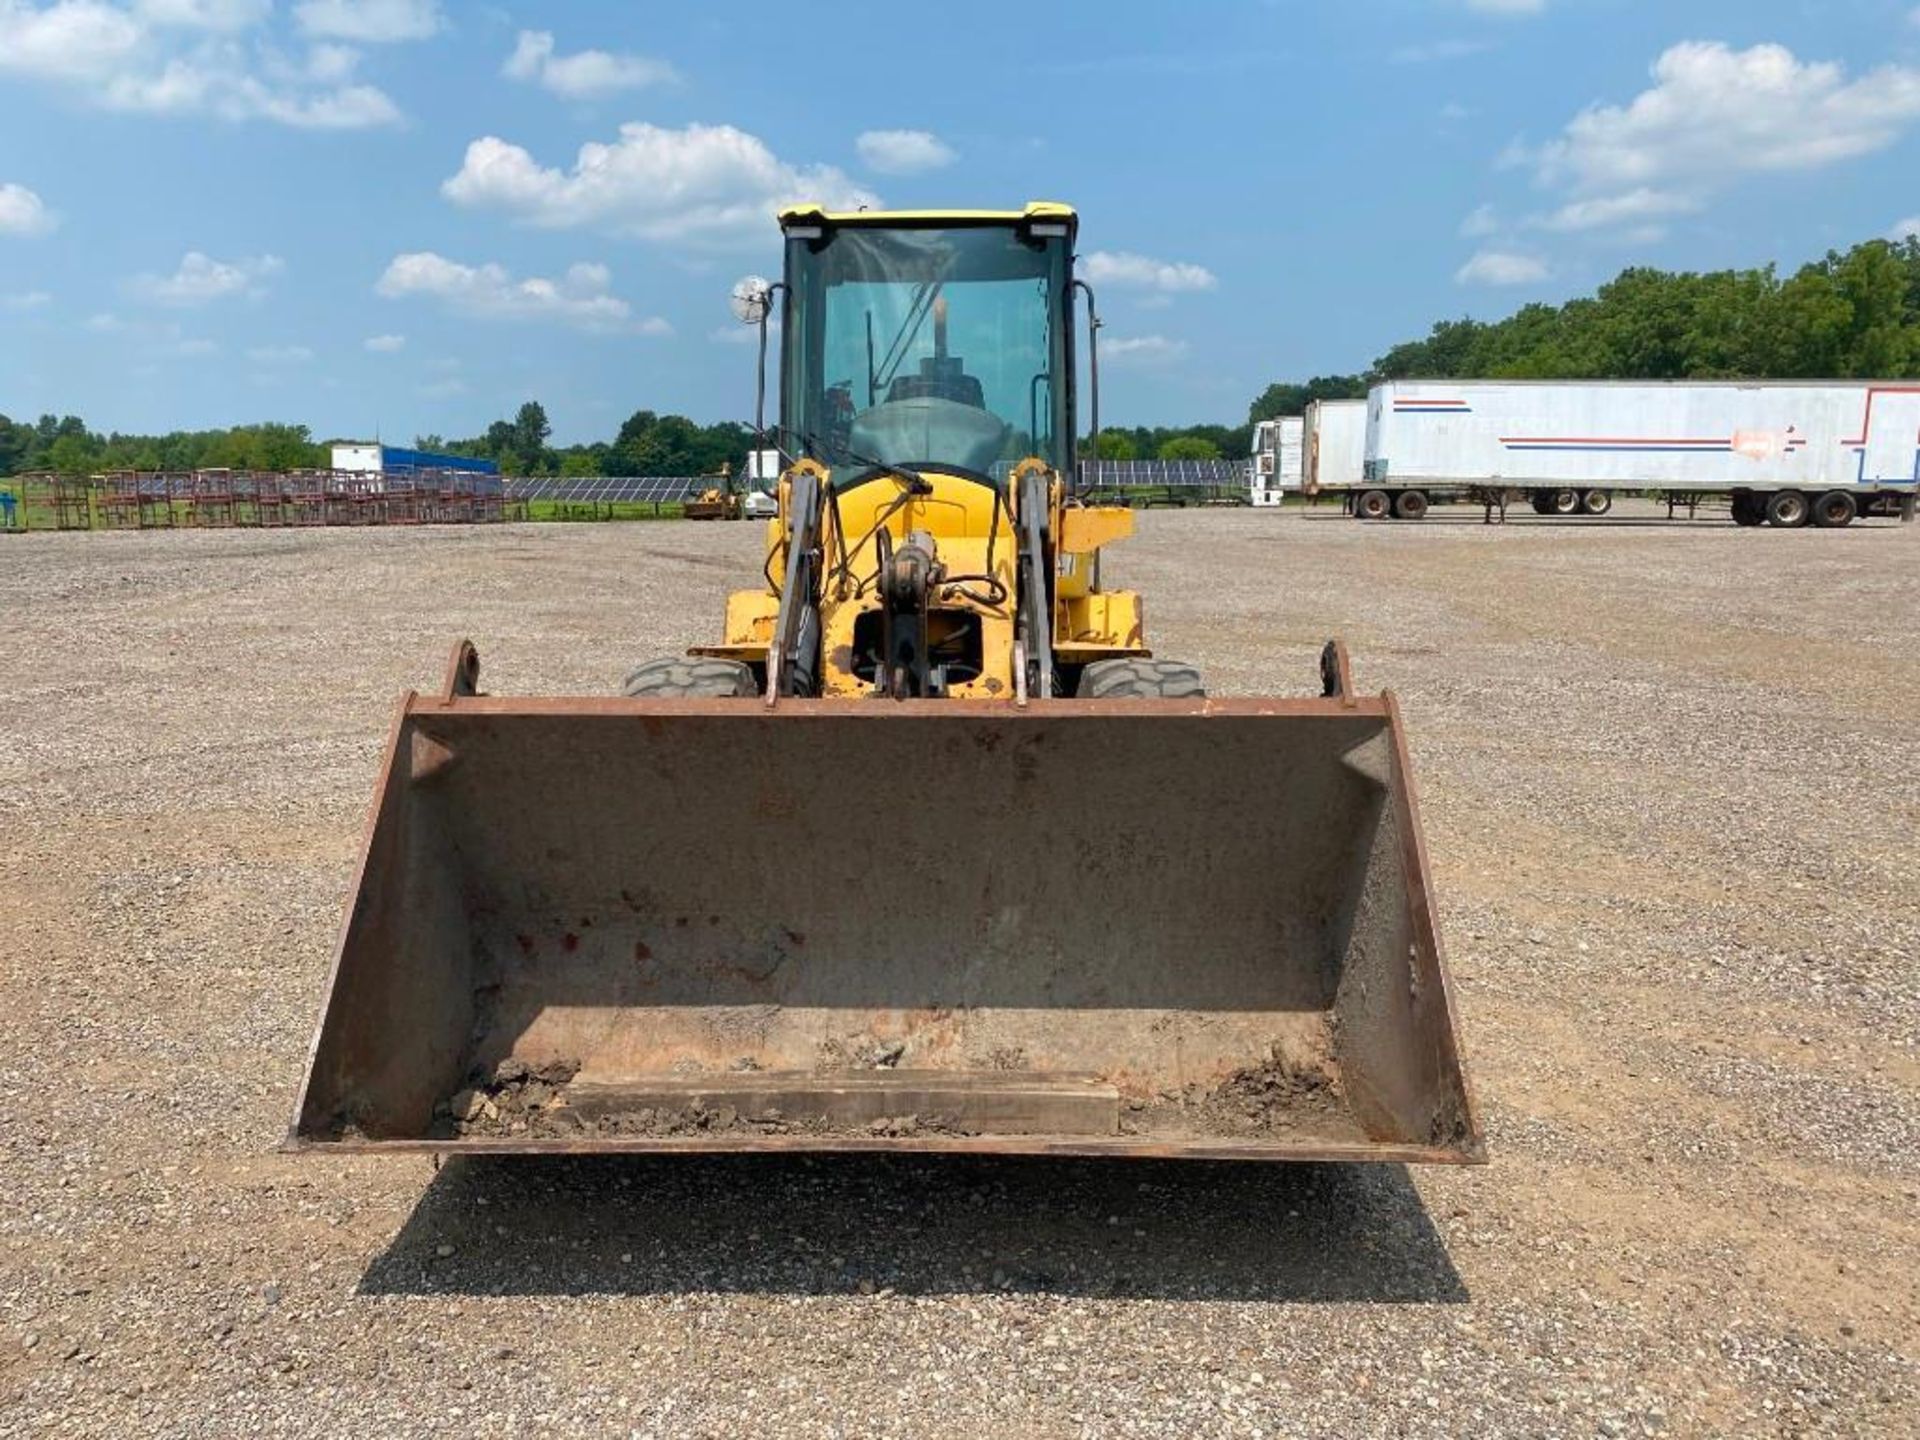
{"x":882,"y":314}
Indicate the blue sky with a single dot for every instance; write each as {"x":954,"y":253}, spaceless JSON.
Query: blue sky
{"x":378,"y":214}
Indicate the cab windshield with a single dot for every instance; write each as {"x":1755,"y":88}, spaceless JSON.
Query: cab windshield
{"x":927,"y":347}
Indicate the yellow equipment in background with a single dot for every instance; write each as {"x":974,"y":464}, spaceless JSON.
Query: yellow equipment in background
{"x":929,"y":850}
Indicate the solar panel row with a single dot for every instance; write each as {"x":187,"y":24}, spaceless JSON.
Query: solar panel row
{"x":608,"y":489}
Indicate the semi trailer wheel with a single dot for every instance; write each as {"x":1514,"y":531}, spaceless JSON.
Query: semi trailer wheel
{"x":1597,"y":502}
{"x":1410,"y":505}
{"x":1565,"y":502}
{"x":1139,"y":679}
{"x":683,"y":677}
{"x":1834,"y":509}
{"x":1747,"y":509}
{"x":1542,"y":502}
{"x":1374,"y":505}
{"x":1787,"y":509}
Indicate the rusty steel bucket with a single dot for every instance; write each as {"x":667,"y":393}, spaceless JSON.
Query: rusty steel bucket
{"x":1143,"y":927}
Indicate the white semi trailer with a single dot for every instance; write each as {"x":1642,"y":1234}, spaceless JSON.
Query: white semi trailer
{"x":1784,"y":452}
{"x":1334,"y":447}
{"x":1275,"y":471}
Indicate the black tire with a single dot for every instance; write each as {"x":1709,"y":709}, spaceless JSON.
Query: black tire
{"x":1787,"y":509}
{"x":1835,"y":509}
{"x":1410,"y":505}
{"x":1139,"y":679}
{"x":1564,"y":502}
{"x":1597,"y":502}
{"x":1541,"y":501}
{"x":1373,"y":505}
{"x":681,"y":677}
{"x":1747,"y":509}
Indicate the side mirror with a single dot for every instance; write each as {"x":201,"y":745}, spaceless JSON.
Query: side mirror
{"x":752,"y":303}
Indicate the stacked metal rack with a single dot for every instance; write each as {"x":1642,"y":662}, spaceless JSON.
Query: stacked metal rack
{"x":222,"y":499}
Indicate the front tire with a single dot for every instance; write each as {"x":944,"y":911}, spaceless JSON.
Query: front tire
{"x":1374,"y":505}
{"x":1597,"y":502}
{"x":1138,"y":679}
{"x":683,"y":677}
{"x":1410,"y":505}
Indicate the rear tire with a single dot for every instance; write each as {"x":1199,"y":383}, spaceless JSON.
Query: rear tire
{"x":1747,"y":509}
{"x":1834,"y":509}
{"x":1542,"y":502}
{"x":1564,"y":502}
{"x":1410,"y":505}
{"x":680,"y":677}
{"x":1138,"y":680}
{"x":1597,"y":502}
{"x":1374,"y":505}
{"x":1787,"y":509}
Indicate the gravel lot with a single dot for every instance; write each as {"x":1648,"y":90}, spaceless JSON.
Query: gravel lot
{"x":1668,"y":775}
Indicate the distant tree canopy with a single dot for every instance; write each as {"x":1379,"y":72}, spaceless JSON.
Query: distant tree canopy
{"x":1850,"y":315}
{"x":64,"y":444}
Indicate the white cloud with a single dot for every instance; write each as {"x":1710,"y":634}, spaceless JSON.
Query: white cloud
{"x":704,"y":184}
{"x":903,"y":152}
{"x":26,"y":300}
{"x":280,"y":354}
{"x":1142,"y":350}
{"x":584,"y":75}
{"x":1909,"y":228}
{"x":1484,"y":221}
{"x":371,"y":22}
{"x":1433,"y":51}
{"x":24,"y":213}
{"x":182,"y":57}
{"x":200,"y":280}
{"x":1501,"y":267}
{"x":195,"y":349}
{"x":385,"y":344}
{"x":104,"y":322}
{"x":443,"y":389}
{"x":1633,"y":207}
{"x":1507,"y":7}
{"x":222,"y":15}
{"x":1715,"y":114}
{"x":68,"y":40}
{"x":1123,"y":270}
{"x":582,"y":297}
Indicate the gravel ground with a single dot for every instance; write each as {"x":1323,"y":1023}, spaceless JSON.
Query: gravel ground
{"x":1668,"y":778}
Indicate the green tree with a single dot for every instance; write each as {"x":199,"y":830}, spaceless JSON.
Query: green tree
{"x":1188,"y":447}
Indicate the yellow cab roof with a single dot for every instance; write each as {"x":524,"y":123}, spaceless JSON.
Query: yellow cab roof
{"x":804,"y":214}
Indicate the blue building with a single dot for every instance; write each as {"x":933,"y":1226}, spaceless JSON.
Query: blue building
{"x":392,"y":459}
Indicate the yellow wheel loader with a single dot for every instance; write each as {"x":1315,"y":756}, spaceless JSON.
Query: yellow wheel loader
{"x":930,"y":851}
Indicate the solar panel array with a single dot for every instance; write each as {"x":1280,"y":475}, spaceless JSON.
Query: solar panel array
{"x":1209,"y":475}
{"x":610,"y":489}
{"x":1219,"y":478}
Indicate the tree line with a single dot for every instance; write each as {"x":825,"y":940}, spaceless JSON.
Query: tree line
{"x":1852,"y":314}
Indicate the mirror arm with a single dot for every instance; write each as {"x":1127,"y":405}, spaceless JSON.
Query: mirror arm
{"x":760,"y":386}
{"x":1093,"y":375}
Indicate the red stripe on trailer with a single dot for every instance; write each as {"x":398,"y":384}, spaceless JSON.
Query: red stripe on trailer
{"x":1600,"y":440}
{"x":1866,"y":420}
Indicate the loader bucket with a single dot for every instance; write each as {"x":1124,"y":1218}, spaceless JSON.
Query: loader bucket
{"x":1168,"y":928}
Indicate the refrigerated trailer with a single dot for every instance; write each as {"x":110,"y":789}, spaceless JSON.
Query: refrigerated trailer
{"x":1275,"y":471}
{"x":1333,"y":447}
{"x":1784,"y":453}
